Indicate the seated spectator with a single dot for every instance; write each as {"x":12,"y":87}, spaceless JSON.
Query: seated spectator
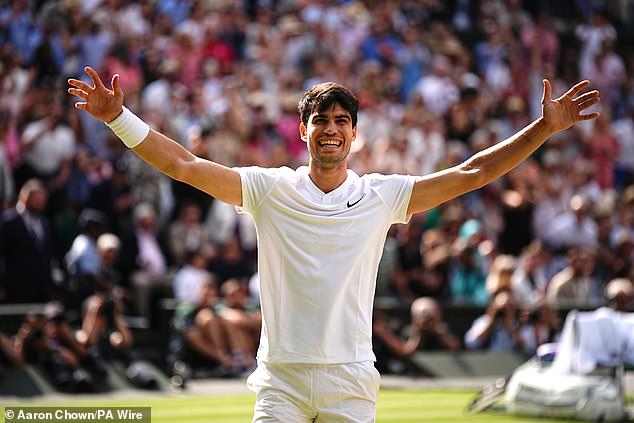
{"x":48,"y":341}
{"x":243,"y":318}
{"x":103,"y":329}
{"x":106,"y":337}
{"x":189,"y":279}
{"x":231,"y":263}
{"x":529,"y":280}
{"x":201,"y":337}
{"x":575,"y":285}
{"x":427,"y":331}
{"x":498,"y":330}
{"x":186,"y":233}
{"x":540,"y":325}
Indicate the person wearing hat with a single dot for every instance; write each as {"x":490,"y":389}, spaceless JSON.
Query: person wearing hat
{"x":321,"y":231}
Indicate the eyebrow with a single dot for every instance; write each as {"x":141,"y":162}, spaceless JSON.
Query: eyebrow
{"x":339,"y":116}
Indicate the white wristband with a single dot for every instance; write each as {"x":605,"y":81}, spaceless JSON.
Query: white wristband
{"x":129,"y":128}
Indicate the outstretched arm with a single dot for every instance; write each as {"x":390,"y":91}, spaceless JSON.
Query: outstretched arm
{"x":158,"y":150}
{"x":493,"y":162}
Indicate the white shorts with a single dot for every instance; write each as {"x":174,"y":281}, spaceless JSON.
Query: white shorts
{"x":315,"y":392}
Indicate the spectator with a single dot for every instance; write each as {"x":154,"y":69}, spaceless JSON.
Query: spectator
{"x":49,"y":341}
{"x":468,"y":268}
{"x":186,"y":233}
{"x":540,"y":325}
{"x":243,"y":319}
{"x":103,"y":328}
{"x":498,"y":330}
{"x":108,"y":247}
{"x":113,"y":197}
{"x":529,"y":281}
{"x":83,"y":261}
{"x":9,"y":150}
{"x":26,"y":257}
{"x":575,"y":285}
{"x":575,"y":228}
{"x":427,"y":331}
{"x":143,"y":262}
{"x":623,"y":130}
{"x":602,"y":148}
{"x":202,"y":338}
{"x":407,"y":276}
{"x":231,"y":263}
{"x":48,"y":146}
{"x":223,"y":222}
{"x":500,"y":274}
{"x":435,"y":251}
{"x":437,"y":89}
{"x":189,"y":279}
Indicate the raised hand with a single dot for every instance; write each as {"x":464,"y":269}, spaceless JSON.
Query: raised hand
{"x":565,"y":111}
{"x":103,"y":103}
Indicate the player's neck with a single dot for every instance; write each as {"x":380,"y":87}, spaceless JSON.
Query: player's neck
{"x":328,"y":179}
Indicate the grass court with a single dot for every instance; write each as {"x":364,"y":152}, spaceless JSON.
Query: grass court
{"x":395,"y":406}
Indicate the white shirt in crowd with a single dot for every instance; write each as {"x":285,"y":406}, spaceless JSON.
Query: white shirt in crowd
{"x":188,"y":282}
{"x":50,"y":147}
{"x":151,"y":257}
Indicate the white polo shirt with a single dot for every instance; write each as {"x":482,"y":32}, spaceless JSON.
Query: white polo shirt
{"x":318,"y":256}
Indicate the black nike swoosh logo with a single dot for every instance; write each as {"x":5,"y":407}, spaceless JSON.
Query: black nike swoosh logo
{"x":352,"y":204}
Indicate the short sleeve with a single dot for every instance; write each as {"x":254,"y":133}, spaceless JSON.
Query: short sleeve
{"x":395,"y":191}
{"x":257,"y":183}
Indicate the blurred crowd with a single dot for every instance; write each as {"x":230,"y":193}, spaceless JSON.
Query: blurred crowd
{"x":89,"y":225}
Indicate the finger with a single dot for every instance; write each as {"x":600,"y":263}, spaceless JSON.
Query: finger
{"x":81,"y":105}
{"x":589,"y":116}
{"x":79,"y":93}
{"x":116,"y":86}
{"x":82,"y":85}
{"x":95,"y":77}
{"x":546,"y":96}
{"x":587,"y":96}
{"x":576,"y":88}
{"x":590,"y":102}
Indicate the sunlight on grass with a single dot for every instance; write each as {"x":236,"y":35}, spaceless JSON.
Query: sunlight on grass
{"x":395,"y":406}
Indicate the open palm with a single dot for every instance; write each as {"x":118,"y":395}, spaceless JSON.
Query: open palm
{"x":565,"y":111}
{"x":103,"y":103}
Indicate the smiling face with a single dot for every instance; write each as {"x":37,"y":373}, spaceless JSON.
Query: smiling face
{"x":329,"y":134}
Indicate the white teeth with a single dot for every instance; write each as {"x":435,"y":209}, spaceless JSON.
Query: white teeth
{"x":328,"y":142}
